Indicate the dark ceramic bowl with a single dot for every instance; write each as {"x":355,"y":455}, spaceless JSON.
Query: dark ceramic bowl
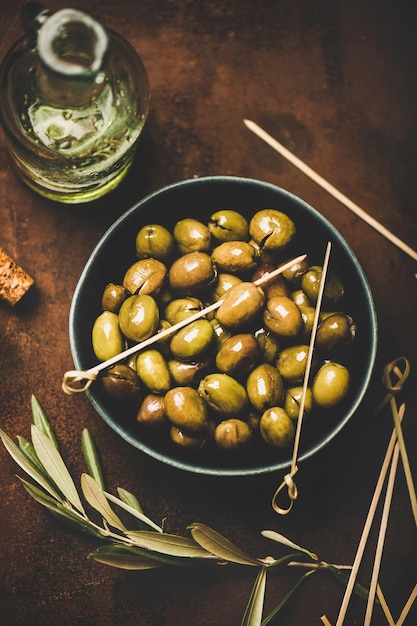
{"x":199,"y":198}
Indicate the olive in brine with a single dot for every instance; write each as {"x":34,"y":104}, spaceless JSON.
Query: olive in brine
{"x":271,"y":229}
{"x":265,"y":387}
{"x":240,"y":305}
{"x":229,"y":225}
{"x":151,"y":412}
{"x":113,"y":297}
{"x":186,"y":409}
{"x":154,"y":241}
{"x":293,"y":399}
{"x":190,"y":342}
{"x":282,"y":316}
{"x":139,"y":317}
{"x":223,"y":393}
{"x":232,"y":434}
{"x":191,"y":273}
{"x":330,"y":385}
{"x":292,"y":363}
{"x":277,"y":428}
{"x":107,"y":338}
{"x":180,"y":309}
{"x":235,"y":256}
{"x":187,"y":373}
{"x":333,"y":287}
{"x":146,"y":276}
{"x":121,"y":383}
{"x":335,"y":332}
{"x":191,"y":235}
{"x":238,"y":354}
{"x":153,"y":371}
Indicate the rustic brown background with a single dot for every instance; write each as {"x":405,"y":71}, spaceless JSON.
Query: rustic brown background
{"x":335,"y":80}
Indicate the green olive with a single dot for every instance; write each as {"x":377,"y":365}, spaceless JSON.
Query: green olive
{"x":107,"y":338}
{"x":335,"y":332}
{"x":139,"y":317}
{"x":330,"y":384}
{"x":333,"y":287}
{"x":265,"y":387}
{"x":272,"y":229}
{"x":113,"y":297}
{"x":186,"y":409}
{"x":292,"y":363}
{"x":234,"y":257}
{"x":151,"y":412}
{"x":238,"y":354}
{"x":240,"y":305}
{"x":122,"y":384}
{"x":221,"y":334}
{"x":224,"y":283}
{"x":224,"y":394}
{"x":277,"y":428}
{"x":180,"y":309}
{"x":300,"y":298}
{"x":229,"y":225}
{"x":282,"y":316}
{"x":192,"y":273}
{"x":292,"y":401}
{"x":154,"y":241}
{"x":187,"y":373}
{"x":294,"y":273}
{"x":193,"y":340}
{"x":146,"y":276}
{"x":153,"y":371}
{"x":232,"y":434}
{"x":191,"y":235}
{"x":268,"y":343}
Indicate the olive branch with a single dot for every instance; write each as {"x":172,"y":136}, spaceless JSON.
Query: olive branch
{"x":147,"y":546}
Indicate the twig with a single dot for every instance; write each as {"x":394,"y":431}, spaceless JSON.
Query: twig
{"x":278,"y":147}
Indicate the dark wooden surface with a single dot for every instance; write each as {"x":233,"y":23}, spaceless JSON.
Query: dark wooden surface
{"x":335,"y":81}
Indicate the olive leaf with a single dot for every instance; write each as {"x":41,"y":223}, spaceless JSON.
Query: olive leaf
{"x":52,"y":461}
{"x":254,"y":609}
{"x":96,"y":498}
{"x":31,"y":470}
{"x":41,"y":421}
{"x":279,"y":606}
{"x":215,"y":543}
{"x":91,"y":457}
{"x":29,"y":451}
{"x":172,"y":545}
{"x":133,"y":511}
{"x":272,"y":534}
{"x":112,"y":555}
{"x":343,"y":578}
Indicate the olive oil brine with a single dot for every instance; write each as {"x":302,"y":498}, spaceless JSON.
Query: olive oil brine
{"x":74,"y":98}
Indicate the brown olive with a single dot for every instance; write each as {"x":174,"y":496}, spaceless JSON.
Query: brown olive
{"x":274,"y":287}
{"x":277,"y":428}
{"x":282,"y":316}
{"x":229,"y":225}
{"x":294,"y":273}
{"x":192,"y":273}
{"x":146,"y":276}
{"x":268,"y":343}
{"x":240,"y":305}
{"x":271,"y":229}
{"x":187,"y":440}
{"x":122,"y":384}
{"x":151,"y":412}
{"x":191,"y":235}
{"x":235,"y":256}
{"x":335,"y":332}
{"x":238,"y":354}
{"x":154,"y":241}
{"x":187,"y":373}
{"x":186,"y":409}
{"x":113,"y":297}
{"x":232,"y":434}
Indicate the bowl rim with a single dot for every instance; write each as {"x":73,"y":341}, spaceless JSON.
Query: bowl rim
{"x":227,"y":471}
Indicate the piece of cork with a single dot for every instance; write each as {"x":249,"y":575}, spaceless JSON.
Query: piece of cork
{"x":14,"y":281}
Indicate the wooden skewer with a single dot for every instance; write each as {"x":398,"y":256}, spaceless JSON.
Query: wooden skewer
{"x":76,"y":376}
{"x":278,"y":147}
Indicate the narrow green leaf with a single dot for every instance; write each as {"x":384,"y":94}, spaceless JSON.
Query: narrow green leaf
{"x":91,"y":457}
{"x":283,"y":602}
{"x":254,"y":609}
{"x":55,"y":466}
{"x":129,"y":499}
{"x":41,"y":421}
{"x":135,"y":558}
{"x":283,"y":561}
{"x":271,"y":534}
{"x":125,"y":561}
{"x":172,"y":545}
{"x":22,"y":460}
{"x":343,"y":578}
{"x":96,"y":498}
{"x":133,"y":511}
{"x":215,"y":543}
{"x":39,"y":494}
{"x":29,"y":451}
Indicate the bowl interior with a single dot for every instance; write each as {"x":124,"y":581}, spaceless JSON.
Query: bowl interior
{"x":199,"y":198}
